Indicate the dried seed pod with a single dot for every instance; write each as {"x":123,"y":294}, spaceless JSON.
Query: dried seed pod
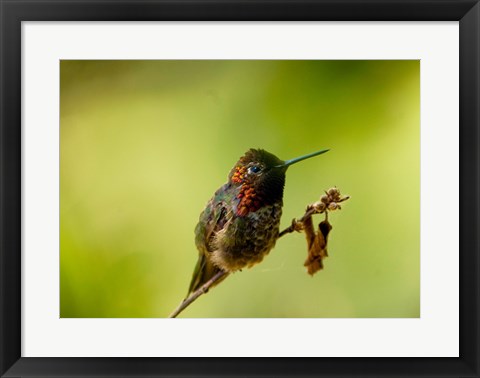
{"x":324,"y":199}
{"x":333,"y":191}
{"x":332,"y":206}
{"x":319,"y":207}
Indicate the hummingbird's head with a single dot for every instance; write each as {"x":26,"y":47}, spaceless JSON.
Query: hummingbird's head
{"x":261,"y":178}
{"x":256,"y":167}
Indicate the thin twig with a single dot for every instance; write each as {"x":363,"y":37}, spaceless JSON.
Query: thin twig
{"x":297,"y":223}
{"x":202,"y":290}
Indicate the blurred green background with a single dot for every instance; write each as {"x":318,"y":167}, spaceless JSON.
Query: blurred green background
{"x":144,"y":145}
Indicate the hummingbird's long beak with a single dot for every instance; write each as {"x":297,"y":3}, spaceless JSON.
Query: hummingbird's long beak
{"x":296,"y":160}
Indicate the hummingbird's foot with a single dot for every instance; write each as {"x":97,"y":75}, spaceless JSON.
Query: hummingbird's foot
{"x":297,"y":225}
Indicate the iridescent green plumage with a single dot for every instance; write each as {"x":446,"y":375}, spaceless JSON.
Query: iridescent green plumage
{"x":240,"y":223}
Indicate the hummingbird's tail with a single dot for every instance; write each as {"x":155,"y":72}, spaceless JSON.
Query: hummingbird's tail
{"x":198,"y":287}
{"x":203,"y":272}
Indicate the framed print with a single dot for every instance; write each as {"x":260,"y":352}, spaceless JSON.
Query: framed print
{"x":145,"y":148}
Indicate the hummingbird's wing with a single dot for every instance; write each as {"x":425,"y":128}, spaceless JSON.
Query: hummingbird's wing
{"x":212,"y":220}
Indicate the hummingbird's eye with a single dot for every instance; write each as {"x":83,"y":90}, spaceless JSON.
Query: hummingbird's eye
{"x":254,"y":169}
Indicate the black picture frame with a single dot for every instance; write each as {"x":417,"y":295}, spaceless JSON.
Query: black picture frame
{"x":13,"y":12}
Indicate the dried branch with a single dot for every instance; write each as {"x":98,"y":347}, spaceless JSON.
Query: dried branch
{"x":297,"y":225}
{"x":202,"y":290}
{"x":317,"y":241}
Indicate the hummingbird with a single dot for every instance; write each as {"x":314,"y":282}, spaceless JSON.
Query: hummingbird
{"x":240,"y":223}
